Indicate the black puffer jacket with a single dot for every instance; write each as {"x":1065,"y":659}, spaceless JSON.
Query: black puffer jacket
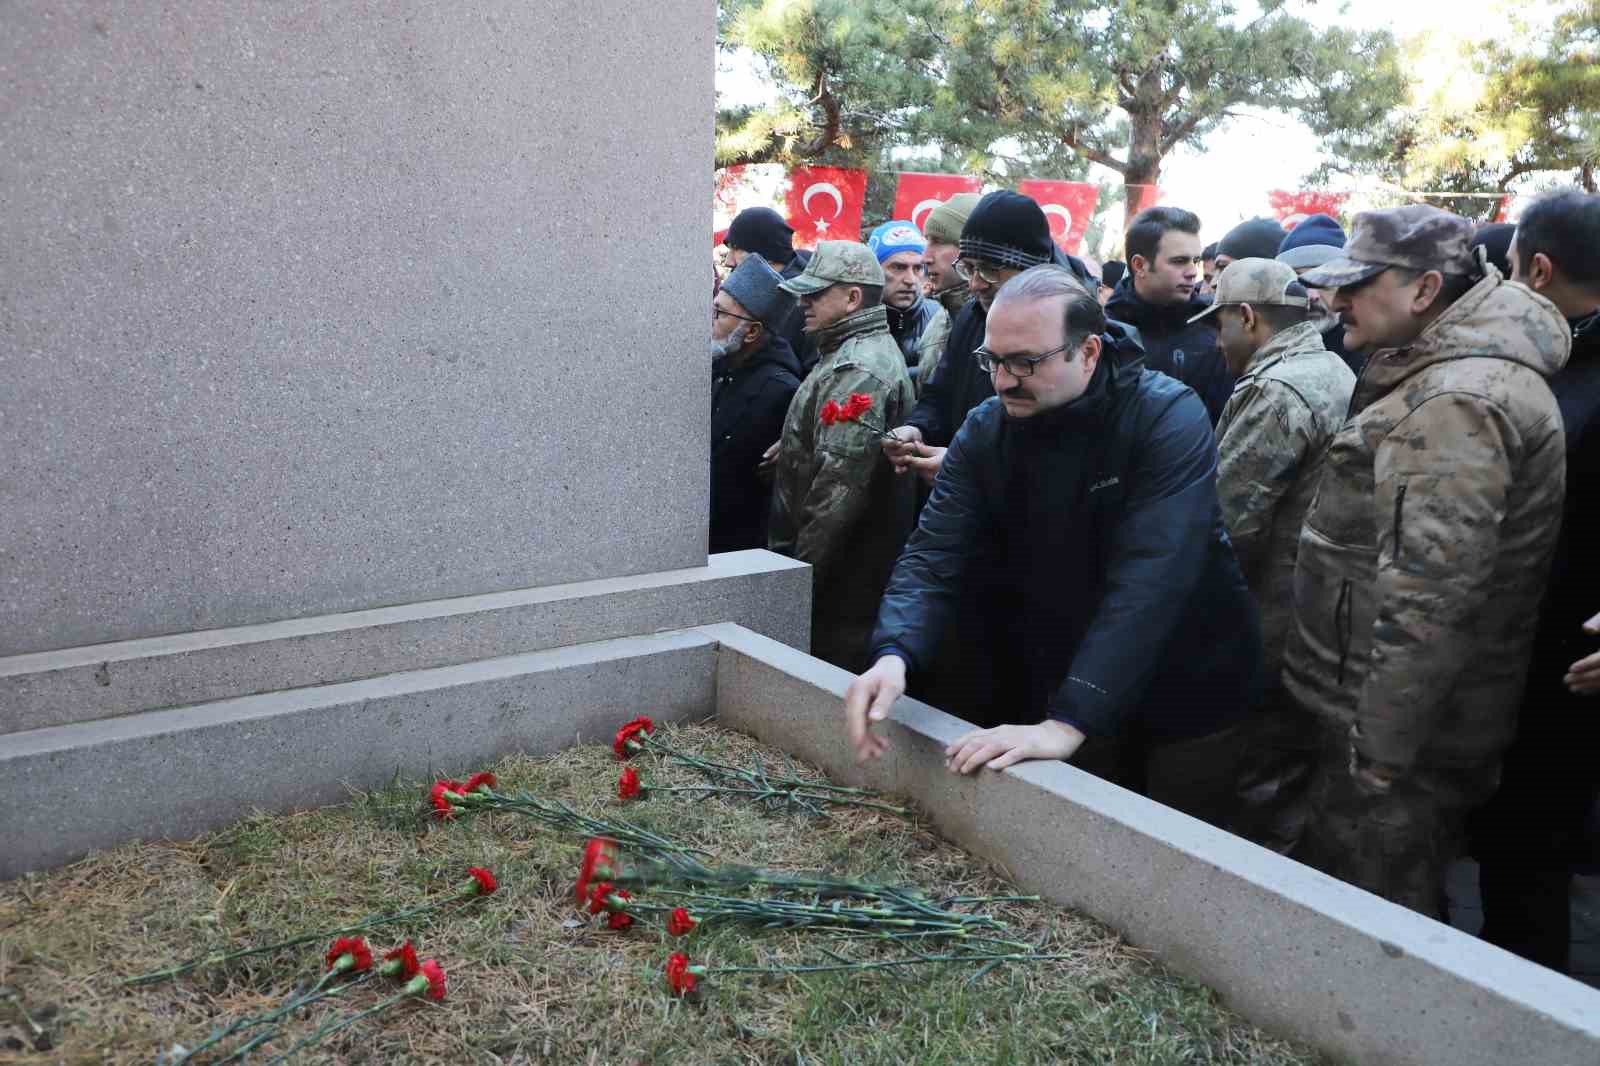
{"x":747,"y":409}
{"x":1096,"y":528}
{"x":1180,"y":349}
{"x":959,"y":385}
{"x":906,"y":326}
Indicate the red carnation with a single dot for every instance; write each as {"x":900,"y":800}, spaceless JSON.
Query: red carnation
{"x":598,"y":856}
{"x":406,"y":956}
{"x":485,"y":879}
{"x":679,"y":922}
{"x":599,"y":895}
{"x":858,"y":404}
{"x":679,"y":979}
{"x":441,"y":803}
{"x":484,"y":778}
{"x":831,"y":412}
{"x":435,"y":975}
{"x":355,"y":949}
{"x":628,"y":784}
{"x":619,"y":920}
{"x":626,"y":744}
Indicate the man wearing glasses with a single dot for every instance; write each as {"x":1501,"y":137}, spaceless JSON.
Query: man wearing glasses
{"x":1122,"y":633}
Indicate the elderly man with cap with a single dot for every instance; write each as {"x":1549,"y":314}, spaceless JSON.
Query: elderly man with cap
{"x":837,"y":504}
{"x":1290,"y":398}
{"x":1425,"y":551}
{"x":942,"y":228}
{"x":899,"y":247}
{"x":754,"y":375}
{"x":1310,"y":244}
{"x":762,"y":232}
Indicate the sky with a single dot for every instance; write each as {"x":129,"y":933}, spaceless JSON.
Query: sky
{"x":1227,"y":178}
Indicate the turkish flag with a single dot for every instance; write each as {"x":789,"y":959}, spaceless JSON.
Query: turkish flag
{"x":1293,"y":208}
{"x":918,"y":194}
{"x":1068,"y":206}
{"x":825,"y":204}
{"x":1144,"y":196}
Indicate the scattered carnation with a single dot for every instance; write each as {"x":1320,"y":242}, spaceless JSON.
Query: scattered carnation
{"x":441,"y":804}
{"x":619,"y":920}
{"x":598,"y":856}
{"x":679,"y":979}
{"x":435,"y":975}
{"x":485,"y":879}
{"x":406,"y":956}
{"x":628,"y":784}
{"x":679,"y":922}
{"x":599,"y":895}
{"x":356,"y":949}
{"x":485,"y":779}
{"x":625,"y":744}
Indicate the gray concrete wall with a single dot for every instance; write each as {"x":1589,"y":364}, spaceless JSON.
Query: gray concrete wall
{"x":73,"y":788}
{"x":767,"y":593}
{"x":310,"y":307}
{"x":1293,"y":950}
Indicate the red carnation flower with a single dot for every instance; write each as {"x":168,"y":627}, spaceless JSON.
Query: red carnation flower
{"x":441,"y":803}
{"x":435,"y":975}
{"x":628,"y":784}
{"x":598,"y":896}
{"x":831,"y":412}
{"x":679,"y":922}
{"x":485,"y":879}
{"x":679,"y":979}
{"x":626,"y":744}
{"x":484,"y":778}
{"x":598,"y":856}
{"x":406,"y":956}
{"x":356,"y":948}
{"x":858,"y":404}
{"x":619,"y":920}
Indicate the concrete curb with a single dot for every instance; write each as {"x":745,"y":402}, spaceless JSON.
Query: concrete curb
{"x":1293,"y":950}
{"x":763,"y":591}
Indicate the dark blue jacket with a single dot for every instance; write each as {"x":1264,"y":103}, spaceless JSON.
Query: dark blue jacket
{"x":958,"y":386}
{"x":1175,"y":346}
{"x":1115,"y":601}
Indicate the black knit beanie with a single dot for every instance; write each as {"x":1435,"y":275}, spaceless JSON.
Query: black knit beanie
{"x":1007,"y":229}
{"x":763,"y":231}
{"x":1258,"y":238}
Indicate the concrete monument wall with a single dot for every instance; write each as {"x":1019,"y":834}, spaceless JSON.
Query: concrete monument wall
{"x":310,"y":307}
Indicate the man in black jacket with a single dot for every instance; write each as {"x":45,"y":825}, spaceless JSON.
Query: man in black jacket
{"x":754,"y":375}
{"x":1089,"y":483}
{"x":1159,"y":296}
{"x":1529,"y":836}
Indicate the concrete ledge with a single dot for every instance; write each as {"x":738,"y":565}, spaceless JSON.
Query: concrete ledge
{"x":1293,"y":950}
{"x":765,"y":592}
{"x":175,"y":773}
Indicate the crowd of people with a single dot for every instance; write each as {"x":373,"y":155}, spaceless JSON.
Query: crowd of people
{"x":1285,"y":532}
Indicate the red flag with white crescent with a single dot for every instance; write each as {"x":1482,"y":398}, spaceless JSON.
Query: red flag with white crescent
{"x":918,"y":194}
{"x":824,"y":204}
{"x":1068,"y":206}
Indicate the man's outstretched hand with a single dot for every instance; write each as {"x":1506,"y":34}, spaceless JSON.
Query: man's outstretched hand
{"x":1005,"y":745}
{"x":1583,"y":676}
{"x":868,"y":700}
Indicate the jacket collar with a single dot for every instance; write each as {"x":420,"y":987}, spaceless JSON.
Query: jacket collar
{"x":902,"y":321}
{"x":1284,"y":344}
{"x":862,"y":323}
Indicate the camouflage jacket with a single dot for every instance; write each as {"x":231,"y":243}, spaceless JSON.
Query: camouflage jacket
{"x":836,"y":503}
{"x":1427,"y":546}
{"x":930,"y":348}
{"x":1283,"y":411}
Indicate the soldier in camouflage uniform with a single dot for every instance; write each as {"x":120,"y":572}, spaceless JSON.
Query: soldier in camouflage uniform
{"x":1426,"y":549}
{"x":837,"y":504}
{"x":1290,"y":398}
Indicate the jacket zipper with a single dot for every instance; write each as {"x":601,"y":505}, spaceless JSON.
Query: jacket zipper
{"x":1399,"y":505}
{"x":1343,"y":626}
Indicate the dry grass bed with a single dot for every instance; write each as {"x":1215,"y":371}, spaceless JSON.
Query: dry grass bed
{"x":534,"y":980}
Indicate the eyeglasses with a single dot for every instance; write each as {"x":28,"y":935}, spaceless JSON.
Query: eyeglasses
{"x":989,"y":272}
{"x":1018,"y":366}
{"x":715,"y":311}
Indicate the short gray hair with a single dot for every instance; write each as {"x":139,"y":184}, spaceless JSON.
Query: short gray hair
{"x":1084,"y":315}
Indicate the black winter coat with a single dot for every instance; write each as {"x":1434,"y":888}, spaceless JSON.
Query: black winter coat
{"x":1180,"y":349}
{"x":959,"y":385}
{"x":906,"y":326}
{"x":747,"y":409}
{"x":1116,"y":604}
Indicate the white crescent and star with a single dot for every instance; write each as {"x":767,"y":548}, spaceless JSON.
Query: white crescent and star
{"x":824,"y":187}
{"x":1062,"y":212}
{"x":921,"y":208}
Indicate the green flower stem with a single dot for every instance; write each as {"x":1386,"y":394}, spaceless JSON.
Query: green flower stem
{"x":317,"y":993}
{"x":244,"y":1049}
{"x":156,"y":976}
{"x":787,"y":794}
{"x":760,"y":782}
{"x":329,"y":1028}
{"x":885,"y":963}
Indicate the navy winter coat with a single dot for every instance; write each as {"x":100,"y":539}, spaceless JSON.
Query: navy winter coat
{"x":747,"y":409}
{"x":1187,"y":351}
{"x":1114,"y":600}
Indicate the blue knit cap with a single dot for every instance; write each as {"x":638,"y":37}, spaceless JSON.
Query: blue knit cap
{"x":894,"y":237}
{"x":1313,"y":242}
